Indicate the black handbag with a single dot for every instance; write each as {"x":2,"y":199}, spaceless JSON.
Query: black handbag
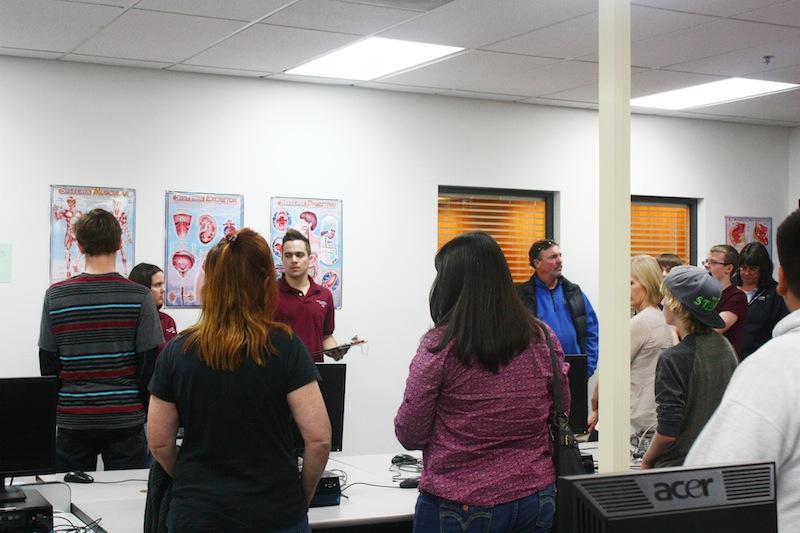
{"x":566,"y":454}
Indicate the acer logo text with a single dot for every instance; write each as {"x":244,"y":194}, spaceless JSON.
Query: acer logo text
{"x":681,"y":490}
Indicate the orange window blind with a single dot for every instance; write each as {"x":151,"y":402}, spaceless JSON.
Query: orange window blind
{"x":514,"y":222}
{"x":658,"y":228}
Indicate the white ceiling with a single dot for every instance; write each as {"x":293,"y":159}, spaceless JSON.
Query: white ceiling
{"x":530,"y":51}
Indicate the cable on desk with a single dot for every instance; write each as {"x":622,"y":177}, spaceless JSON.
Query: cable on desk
{"x":369,"y":484}
{"x":72,"y":528}
{"x":120,"y":481}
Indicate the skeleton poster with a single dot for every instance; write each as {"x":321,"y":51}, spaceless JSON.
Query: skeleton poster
{"x":67,"y":204}
{"x":195,"y":222}
{"x":321,"y":222}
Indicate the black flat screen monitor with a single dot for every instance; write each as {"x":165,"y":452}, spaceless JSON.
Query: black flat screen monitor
{"x":28,"y":435}
{"x":718,"y":499}
{"x":332,"y":387}
{"x":578,"y":380}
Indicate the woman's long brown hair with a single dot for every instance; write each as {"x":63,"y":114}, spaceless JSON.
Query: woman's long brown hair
{"x":240,"y":297}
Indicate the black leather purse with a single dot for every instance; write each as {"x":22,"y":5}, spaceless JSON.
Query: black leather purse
{"x":566,"y":454}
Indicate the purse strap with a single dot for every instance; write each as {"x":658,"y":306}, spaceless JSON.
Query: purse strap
{"x":558,"y":399}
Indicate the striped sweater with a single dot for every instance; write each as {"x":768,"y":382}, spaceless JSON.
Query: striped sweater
{"x":98,"y":327}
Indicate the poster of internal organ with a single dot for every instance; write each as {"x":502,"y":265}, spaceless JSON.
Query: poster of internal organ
{"x":195,"y":222}
{"x":742,"y":230}
{"x":67,"y":204}
{"x":320,"y":221}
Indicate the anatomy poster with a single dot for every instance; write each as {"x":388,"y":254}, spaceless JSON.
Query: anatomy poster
{"x":321,"y":222}
{"x":67,"y":204}
{"x":741,"y":230}
{"x":195,"y":223}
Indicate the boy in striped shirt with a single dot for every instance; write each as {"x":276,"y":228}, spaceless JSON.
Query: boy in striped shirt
{"x":99,"y":334}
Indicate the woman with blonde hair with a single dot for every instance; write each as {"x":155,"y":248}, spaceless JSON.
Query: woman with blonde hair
{"x":650,"y":335}
{"x":232,"y":381}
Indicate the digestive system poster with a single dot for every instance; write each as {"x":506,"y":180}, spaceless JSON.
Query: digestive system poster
{"x":195,"y":222}
{"x":320,"y":221}
{"x":742,"y":230}
{"x":67,"y":204}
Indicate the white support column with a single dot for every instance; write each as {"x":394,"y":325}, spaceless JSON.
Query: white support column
{"x":614,"y":366}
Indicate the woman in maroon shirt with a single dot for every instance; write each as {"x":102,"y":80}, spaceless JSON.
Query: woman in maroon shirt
{"x":152,"y":277}
{"x":478,"y":400}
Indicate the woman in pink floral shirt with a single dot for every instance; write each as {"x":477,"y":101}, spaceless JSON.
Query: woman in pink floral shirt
{"x":478,"y":400}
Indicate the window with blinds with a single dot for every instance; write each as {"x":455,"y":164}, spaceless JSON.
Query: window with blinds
{"x":515,"y":221}
{"x":660,"y":225}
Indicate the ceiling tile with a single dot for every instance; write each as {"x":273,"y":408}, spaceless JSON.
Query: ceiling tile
{"x":484,"y":96}
{"x":572,"y":38}
{"x":115,"y":61}
{"x":246,"y":10}
{"x":548,"y":79}
{"x":559,"y":103}
{"x":51,"y":26}
{"x":219,"y":71}
{"x":720,"y":8}
{"x":476,"y":23}
{"x":400,"y":88}
{"x":707,"y":40}
{"x":467,"y":69}
{"x":648,"y":22}
{"x":415,"y":5}
{"x":786,"y":13}
{"x":309,"y":79}
{"x":343,"y":17}
{"x":23,"y":52}
{"x":782,"y":106}
{"x":270,"y":48}
{"x":157,"y":36}
{"x":117,"y":3}
{"x":786,"y":75}
{"x":749,"y":61}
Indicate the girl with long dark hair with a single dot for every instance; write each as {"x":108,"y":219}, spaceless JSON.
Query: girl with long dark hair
{"x":478,"y":399}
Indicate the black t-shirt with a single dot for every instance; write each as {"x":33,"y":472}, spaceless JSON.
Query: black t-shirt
{"x":236,"y":470}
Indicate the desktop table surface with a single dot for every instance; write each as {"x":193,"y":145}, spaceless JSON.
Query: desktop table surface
{"x":371,"y":496}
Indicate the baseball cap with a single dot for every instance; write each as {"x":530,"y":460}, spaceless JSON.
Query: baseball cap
{"x":698,"y":292}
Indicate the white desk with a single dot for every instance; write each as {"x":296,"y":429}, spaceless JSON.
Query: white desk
{"x":121,"y":504}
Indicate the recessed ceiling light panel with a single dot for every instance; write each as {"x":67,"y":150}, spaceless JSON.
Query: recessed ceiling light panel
{"x":373,"y":58}
{"x":716,"y":92}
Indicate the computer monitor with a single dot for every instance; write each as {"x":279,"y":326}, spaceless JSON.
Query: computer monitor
{"x":578,"y":379}
{"x":332,"y":387}
{"x":28,"y":435}
{"x":688,"y":499}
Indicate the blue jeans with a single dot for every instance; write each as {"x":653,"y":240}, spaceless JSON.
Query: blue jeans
{"x":531,"y":514}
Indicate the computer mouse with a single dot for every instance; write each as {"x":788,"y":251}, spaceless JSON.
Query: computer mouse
{"x":403,"y":458}
{"x":410,"y":483}
{"x":78,"y":477}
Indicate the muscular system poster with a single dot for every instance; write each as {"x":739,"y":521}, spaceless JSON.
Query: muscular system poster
{"x":195,"y":222}
{"x":67,"y":204}
{"x":319,"y":220}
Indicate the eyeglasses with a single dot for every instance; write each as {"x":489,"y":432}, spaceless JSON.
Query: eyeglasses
{"x":714,"y":262}
{"x":746,"y":268}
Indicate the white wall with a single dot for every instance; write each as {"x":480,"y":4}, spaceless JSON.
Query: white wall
{"x":794,"y":170}
{"x":383,"y":153}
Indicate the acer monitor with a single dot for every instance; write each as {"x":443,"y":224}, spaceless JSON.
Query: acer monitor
{"x":28,"y":436}
{"x":332,"y":386}
{"x":698,"y":499}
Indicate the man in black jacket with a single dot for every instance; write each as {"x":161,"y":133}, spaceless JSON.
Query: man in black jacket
{"x":559,"y":303}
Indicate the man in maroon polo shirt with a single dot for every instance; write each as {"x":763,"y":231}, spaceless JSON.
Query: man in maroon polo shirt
{"x":303,"y":304}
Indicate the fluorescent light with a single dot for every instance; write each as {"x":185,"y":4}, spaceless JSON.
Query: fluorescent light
{"x":716,"y":92}
{"x":373,"y":58}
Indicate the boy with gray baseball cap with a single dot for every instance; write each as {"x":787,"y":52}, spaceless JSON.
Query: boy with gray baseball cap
{"x":691,"y":377}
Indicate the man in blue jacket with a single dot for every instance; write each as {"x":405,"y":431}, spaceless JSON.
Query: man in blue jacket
{"x":559,"y":303}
